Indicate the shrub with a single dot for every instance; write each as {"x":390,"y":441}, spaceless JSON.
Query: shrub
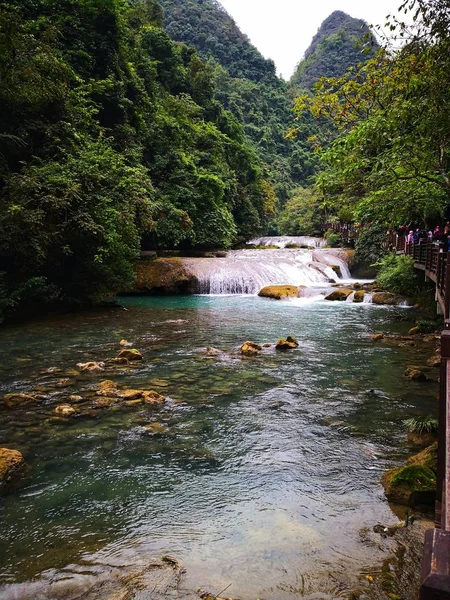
{"x":397,"y":274}
{"x":369,"y":246}
{"x":333,"y":239}
{"x":421,"y":425}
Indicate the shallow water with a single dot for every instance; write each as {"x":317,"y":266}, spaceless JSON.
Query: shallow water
{"x":267,"y":476}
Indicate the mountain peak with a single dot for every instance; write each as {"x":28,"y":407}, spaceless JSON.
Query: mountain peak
{"x":335,"y":47}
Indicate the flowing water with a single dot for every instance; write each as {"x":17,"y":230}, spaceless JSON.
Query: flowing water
{"x":265,"y":476}
{"x":247,"y":271}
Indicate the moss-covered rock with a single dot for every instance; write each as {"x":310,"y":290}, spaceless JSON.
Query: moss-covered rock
{"x":411,"y":485}
{"x":278,"y":292}
{"x":427,"y":458}
{"x":339,"y":295}
{"x":12,"y":466}
{"x":130,"y":354}
{"x":250,"y":349}
{"x":359,"y":296}
{"x":163,"y":276}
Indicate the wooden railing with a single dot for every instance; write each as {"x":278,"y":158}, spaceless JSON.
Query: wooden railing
{"x":434,"y":259}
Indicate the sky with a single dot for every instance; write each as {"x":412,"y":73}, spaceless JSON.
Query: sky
{"x":283,"y":29}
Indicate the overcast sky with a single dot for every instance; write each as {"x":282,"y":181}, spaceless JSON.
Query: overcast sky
{"x":283,"y":29}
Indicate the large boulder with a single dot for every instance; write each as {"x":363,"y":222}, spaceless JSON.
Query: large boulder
{"x":278,"y":292}
{"x":250,"y":349}
{"x":339,"y":295}
{"x":12,"y":466}
{"x":411,"y":485}
{"x":163,"y":276}
{"x":386,"y":299}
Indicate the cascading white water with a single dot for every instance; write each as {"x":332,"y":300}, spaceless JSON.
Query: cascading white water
{"x":283,"y":241}
{"x":247,"y":271}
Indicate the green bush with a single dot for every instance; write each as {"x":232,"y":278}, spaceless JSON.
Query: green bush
{"x":333,"y":239}
{"x":397,"y":274}
{"x":369,"y":246}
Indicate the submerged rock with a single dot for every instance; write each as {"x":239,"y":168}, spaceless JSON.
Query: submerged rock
{"x":12,"y":466}
{"x":156,"y":429}
{"x":377,"y":337}
{"x":250,"y":349}
{"x":13,"y":400}
{"x":278,"y":292}
{"x":151,"y":397}
{"x":339,"y":295}
{"x":415,"y":374}
{"x":92,"y":367}
{"x":434,"y":361}
{"x":130,"y":354}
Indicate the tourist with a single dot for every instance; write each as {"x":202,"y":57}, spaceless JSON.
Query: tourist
{"x":410,"y":238}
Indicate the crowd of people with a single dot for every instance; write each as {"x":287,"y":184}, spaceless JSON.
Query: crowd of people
{"x":438,"y":234}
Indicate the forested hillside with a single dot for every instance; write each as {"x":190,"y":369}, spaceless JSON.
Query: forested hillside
{"x":248,"y":86}
{"x":110,"y":134}
{"x":340,"y":43}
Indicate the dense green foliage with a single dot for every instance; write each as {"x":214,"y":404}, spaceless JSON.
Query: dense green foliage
{"x":247,"y":85}
{"x":301,"y":214}
{"x":397,"y":274}
{"x":391,"y":161}
{"x":110,"y":134}
{"x":340,"y":43}
{"x":369,"y":245}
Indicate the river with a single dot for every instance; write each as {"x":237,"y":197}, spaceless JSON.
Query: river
{"x":265,"y":474}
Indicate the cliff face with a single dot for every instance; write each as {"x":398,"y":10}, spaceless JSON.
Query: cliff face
{"x":340,"y":42}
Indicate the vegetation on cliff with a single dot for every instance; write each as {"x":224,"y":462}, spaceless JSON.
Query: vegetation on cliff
{"x":110,"y":135}
{"x":340,"y":43}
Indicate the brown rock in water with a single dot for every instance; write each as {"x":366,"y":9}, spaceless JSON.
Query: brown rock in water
{"x":377,"y":337}
{"x":339,"y":295}
{"x":359,"y":296}
{"x":130,"y":354}
{"x":12,"y":466}
{"x":65,"y":410}
{"x":278,"y":292}
{"x":387,"y":299}
{"x":92,"y":367}
{"x":151,"y":397}
{"x":250,"y":349}
{"x":14,"y":400}
{"x":434,"y":361}
{"x":156,"y":429}
{"x":414,"y":330}
{"x":105,"y":402}
{"x":107,"y":388}
{"x":415,"y":374}
{"x":130,"y":394}
{"x":124,"y":344}
{"x":290,"y":343}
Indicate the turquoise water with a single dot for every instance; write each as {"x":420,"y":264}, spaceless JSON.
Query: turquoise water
{"x":266,"y":476}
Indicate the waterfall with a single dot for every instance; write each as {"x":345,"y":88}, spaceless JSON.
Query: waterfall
{"x":247,"y":271}
{"x":283,"y":241}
